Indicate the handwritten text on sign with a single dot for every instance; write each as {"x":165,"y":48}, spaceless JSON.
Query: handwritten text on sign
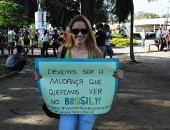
{"x":77,"y":86}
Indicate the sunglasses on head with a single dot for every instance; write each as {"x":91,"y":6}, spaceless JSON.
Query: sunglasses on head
{"x":76,"y":31}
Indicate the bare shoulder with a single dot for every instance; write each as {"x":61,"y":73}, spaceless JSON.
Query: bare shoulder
{"x":59,"y":51}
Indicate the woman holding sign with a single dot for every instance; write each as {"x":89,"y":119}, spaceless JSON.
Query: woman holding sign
{"x":80,"y":43}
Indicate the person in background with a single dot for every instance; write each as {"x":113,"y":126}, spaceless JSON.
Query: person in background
{"x":20,"y":60}
{"x":100,"y":39}
{"x":55,"y":43}
{"x":37,"y":34}
{"x":107,"y":41}
{"x":27,"y":42}
{"x":80,"y":43}
{"x":18,"y":40}
{"x":159,"y":37}
{"x":143,"y":36}
{"x":34,"y":43}
{"x":166,"y":40}
{"x":11,"y":41}
{"x":51,"y":32}
{"x":46,"y":44}
{"x":2,"y":43}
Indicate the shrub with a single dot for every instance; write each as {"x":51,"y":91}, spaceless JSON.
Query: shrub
{"x":120,"y":42}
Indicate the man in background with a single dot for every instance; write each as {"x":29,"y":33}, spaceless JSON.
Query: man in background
{"x":11,"y":41}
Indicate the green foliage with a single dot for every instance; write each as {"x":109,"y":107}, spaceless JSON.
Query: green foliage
{"x":19,"y":13}
{"x":3,"y":69}
{"x":143,"y":15}
{"x":101,"y":13}
{"x":120,"y":42}
{"x":10,"y":14}
{"x":123,"y":9}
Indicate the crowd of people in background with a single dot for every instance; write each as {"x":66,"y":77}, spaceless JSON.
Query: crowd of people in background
{"x":53,"y":38}
{"x":162,"y":38}
{"x":103,"y":36}
{"x":23,"y":41}
{"x":13,"y":38}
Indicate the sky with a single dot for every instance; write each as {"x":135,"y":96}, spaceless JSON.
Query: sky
{"x":159,"y":7}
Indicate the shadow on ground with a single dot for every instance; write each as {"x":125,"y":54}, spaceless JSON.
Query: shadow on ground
{"x":142,"y":101}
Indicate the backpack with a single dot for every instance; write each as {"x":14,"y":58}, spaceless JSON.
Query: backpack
{"x":10,"y":61}
{"x":63,"y":52}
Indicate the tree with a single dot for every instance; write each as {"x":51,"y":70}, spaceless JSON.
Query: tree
{"x":88,"y":9}
{"x":10,"y":15}
{"x":123,"y":9}
{"x":101,"y":12}
{"x":59,"y":12}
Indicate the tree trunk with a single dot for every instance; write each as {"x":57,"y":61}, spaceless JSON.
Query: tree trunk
{"x":132,"y":57}
{"x":87,"y":9}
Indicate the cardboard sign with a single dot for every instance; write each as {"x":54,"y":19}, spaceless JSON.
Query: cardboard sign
{"x":77,"y":86}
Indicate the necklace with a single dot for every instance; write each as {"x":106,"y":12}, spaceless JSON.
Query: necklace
{"x":79,"y":51}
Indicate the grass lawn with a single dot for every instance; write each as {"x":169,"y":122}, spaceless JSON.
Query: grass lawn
{"x":3,"y":69}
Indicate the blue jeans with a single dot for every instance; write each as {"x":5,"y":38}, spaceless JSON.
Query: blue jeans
{"x":84,"y":121}
{"x":103,"y":49}
{"x":143,"y":42}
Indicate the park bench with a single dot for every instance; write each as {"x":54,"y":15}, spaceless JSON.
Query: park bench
{"x":153,"y":43}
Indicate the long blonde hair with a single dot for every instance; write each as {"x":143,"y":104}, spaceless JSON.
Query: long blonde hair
{"x":90,"y":42}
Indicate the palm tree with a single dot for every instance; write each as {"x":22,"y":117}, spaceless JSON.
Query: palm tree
{"x":123,"y":9}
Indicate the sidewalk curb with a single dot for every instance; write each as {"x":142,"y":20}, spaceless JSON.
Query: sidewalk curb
{"x":5,"y":76}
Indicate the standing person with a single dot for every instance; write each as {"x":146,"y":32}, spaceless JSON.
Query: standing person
{"x":143,"y":36}
{"x":18,"y":40}
{"x":34,"y":43}
{"x":2,"y":43}
{"x":80,"y":43}
{"x":46,"y":44}
{"x":27,"y":42}
{"x":55,"y":43}
{"x":51,"y":32}
{"x":107,"y":42}
{"x":167,"y":40}
{"x":159,"y":37}
{"x":37,"y":34}
{"x":11,"y":41}
{"x":100,"y":39}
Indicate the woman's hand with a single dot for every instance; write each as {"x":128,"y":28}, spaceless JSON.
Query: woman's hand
{"x":37,"y":76}
{"x":118,"y":74}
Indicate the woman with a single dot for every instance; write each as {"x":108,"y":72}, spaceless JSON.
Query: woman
{"x":80,"y":43}
{"x":34,"y":43}
{"x":46,"y":44}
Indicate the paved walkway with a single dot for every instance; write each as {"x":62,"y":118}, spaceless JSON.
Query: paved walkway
{"x":117,"y":50}
{"x":20,"y":100}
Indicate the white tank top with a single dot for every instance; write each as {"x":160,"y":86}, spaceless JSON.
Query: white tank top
{"x":45,"y":38}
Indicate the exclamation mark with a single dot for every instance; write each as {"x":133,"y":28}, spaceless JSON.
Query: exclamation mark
{"x":98,"y":100}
